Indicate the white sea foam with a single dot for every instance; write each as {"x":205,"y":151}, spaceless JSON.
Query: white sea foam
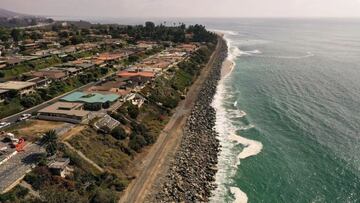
{"x":307,"y":55}
{"x":225,"y":32}
{"x":248,"y":127}
{"x":240,"y":196}
{"x":251,"y":147}
{"x":228,"y":160}
{"x":237,"y":114}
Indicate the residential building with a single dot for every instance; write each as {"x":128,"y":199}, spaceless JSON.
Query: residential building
{"x":52,"y":73}
{"x":3,"y":64}
{"x":22,"y":87}
{"x":90,"y":98}
{"x":71,"y":112}
{"x":3,"y":95}
{"x":60,"y":167}
{"x":138,"y":77}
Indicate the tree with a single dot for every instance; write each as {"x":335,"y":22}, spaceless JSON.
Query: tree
{"x":64,"y":34}
{"x":76,"y":40}
{"x":50,"y":141}
{"x":133,"y":111}
{"x":149,"y":26}
{"x":133,"y":58}
{"x":118,"y":133}
{"x":137,"y":142}
{"x":93,"y":106}
{"x":31,"y":100}
{"x":16,"y":35}
{"x":13,"y":93}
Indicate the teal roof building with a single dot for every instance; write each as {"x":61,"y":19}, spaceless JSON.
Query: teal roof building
{"x":90,"y":98}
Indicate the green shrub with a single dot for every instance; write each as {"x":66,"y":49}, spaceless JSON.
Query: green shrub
{"x":118,"y":133}
{"x":133,"y":111}
{"x":137,"y":142}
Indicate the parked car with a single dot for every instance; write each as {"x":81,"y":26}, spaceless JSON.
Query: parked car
{"x":24,"y":117}
{"x":4,"y":124}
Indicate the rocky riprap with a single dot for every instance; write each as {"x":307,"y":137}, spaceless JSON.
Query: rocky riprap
{"x":191,"y":176}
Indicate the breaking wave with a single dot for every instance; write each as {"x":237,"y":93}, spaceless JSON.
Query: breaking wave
{"x":307,"y":55}
{"x":229,"y":158}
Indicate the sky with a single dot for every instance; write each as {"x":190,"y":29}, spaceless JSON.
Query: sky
{"x":186,"y":8}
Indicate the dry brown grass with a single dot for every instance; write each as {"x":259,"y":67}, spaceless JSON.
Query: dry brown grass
{"x":33,"y":129}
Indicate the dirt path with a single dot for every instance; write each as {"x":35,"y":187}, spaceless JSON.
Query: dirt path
{"x":74,"y":131}
{"x":168,"y":141}
{"x":84,"y":157}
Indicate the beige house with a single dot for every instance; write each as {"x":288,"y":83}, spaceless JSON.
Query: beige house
{"x":71,"y":112}
{"x":23,"y":88}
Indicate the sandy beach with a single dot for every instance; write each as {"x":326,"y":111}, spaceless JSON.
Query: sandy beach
{"x":227,"y":68}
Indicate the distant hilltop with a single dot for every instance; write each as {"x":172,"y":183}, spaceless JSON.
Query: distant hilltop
{"x":14,"y":19}
{"x":10,"y":14}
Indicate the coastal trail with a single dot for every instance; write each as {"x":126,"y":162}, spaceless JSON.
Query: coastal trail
{"x":168,"y":141}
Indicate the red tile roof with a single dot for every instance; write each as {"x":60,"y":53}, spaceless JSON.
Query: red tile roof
{"x":146,"y":74}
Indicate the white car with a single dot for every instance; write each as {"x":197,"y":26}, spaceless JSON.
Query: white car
{"x":4,"y":124}
{"x":24,"y":117}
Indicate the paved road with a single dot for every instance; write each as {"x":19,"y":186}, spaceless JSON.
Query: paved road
{"x":167,"y":143}
{"x":13,"y":118}
{"x":18,"y":165}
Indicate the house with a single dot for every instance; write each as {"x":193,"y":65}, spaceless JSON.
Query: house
{"x":136,"y":73}
{"x":137,"y":76}
{"x":3,"y":95}
{"x":189,"y":48}
{"x":23,"y":88}
{"x":136,"y":99}
{"x":110,"y":56}
{"x":146,"y":44}
{"x":51,"y":73}
{"x":60,"y":167}
{"x":70,"y":112}
{"x":114,"y":87}
{"x":3,"y":64}
{"x":90,"y":98}
{"x":40,"y":81}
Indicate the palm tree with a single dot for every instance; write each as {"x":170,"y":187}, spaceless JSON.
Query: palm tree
{"x":51,"y":142}
{"x":49,"y":137}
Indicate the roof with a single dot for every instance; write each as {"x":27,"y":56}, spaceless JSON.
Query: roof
{"x":3,"y":91}
{"x":59,"y":164}
{"x":109,"y":56}
{"x":136,"y":73}
{"x":50,"y":73}
{"x":65,"y":108}
{"x":90,"y":97}
{"x":16,"y":85}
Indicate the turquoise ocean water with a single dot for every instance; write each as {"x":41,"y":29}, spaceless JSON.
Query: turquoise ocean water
{"x":288,"y":114}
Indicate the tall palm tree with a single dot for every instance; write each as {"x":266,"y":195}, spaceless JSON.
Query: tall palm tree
{"x":50,"y":137}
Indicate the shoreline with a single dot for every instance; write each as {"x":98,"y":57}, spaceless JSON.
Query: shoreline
{"x":191,"y":174}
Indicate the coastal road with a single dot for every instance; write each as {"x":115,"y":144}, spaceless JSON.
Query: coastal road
{"x":167,"y":142}
{"x":17,"y":166}
{"x":13,"y":170}
{"x":13,"y":118}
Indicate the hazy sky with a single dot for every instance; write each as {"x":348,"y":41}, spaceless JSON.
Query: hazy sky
{"x":187,"y":8}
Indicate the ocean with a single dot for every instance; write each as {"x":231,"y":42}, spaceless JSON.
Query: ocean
{"x":288,"y":114}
